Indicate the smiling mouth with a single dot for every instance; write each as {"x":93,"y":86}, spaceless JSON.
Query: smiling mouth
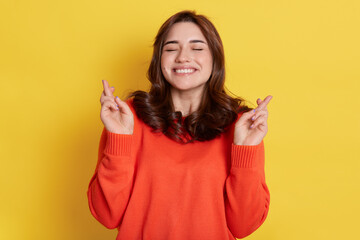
{"x":184,"y":71}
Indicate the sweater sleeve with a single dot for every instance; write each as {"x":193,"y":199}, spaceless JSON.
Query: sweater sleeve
{"x":247,"y":196}
{"x":110,"y":187}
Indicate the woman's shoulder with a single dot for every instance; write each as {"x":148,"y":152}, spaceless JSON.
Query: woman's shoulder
{"x":130,"y":102}
{"x":137,"y":121}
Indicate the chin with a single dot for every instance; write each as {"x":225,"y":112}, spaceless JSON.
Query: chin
{"x":187,"y":88}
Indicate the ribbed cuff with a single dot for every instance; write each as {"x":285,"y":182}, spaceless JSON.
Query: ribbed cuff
{"x":244,"y":156}
{"x":118,"y":144}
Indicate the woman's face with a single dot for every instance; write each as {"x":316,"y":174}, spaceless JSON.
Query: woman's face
{"x":186,"y":60}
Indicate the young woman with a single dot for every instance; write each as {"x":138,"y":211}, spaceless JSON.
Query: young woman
{"x":184,"y":160}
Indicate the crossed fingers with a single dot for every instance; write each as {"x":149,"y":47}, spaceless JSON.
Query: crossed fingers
{"x":260,"y":114}
{"x":107,"y":98}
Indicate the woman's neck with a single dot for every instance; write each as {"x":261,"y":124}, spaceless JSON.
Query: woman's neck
{"x":186,"y":102}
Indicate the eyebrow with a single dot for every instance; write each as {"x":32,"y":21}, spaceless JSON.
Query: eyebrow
{"x":191,"y":41}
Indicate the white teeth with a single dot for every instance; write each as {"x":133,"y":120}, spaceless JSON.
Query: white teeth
{"x":185,"y":70}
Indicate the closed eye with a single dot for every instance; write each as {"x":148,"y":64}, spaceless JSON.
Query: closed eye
{"x":198,"y":49}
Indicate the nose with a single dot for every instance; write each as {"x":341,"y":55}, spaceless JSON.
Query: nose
{"x":183,"y":56}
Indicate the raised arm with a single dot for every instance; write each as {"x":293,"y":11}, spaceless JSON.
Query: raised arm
{"x":110,"y":187}
{"x":247,"y":195}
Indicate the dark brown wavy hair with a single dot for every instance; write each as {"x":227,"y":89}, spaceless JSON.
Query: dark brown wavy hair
{"x":217,"y":110}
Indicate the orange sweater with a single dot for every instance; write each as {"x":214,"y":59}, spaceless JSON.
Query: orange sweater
{"x":153,"y":188}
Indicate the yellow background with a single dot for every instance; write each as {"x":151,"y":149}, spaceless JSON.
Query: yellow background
{"x":54,"y":54}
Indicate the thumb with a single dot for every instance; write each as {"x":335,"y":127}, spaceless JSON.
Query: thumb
{"x":124,"y":108}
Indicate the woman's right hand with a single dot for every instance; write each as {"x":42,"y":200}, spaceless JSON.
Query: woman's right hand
{"x":115,"y":114}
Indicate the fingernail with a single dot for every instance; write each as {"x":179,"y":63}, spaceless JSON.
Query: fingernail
{"x":117,"y":97}
{"x":252,"y":125}
{"x":253,"y":118}
{"x":117,"y":106}
{"x":112,"y":87}
{"x":254,"y":110}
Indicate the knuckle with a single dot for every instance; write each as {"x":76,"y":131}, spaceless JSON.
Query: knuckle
{"x":109,"y":99}
{"x":107,"y":103}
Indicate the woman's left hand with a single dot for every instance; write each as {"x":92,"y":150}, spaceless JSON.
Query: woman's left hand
{"x":252,"y":127}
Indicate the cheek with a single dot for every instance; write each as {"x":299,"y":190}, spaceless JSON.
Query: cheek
{"x":165,"y":68}
{"x":164,"y":63}
{"x":209,"y":63}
